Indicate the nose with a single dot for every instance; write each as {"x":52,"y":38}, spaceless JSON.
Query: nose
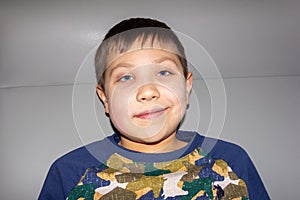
{"x":147,"y":93}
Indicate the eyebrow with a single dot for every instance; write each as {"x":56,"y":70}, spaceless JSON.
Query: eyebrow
{"x":120,"y":65}
{"x":165,"y":58}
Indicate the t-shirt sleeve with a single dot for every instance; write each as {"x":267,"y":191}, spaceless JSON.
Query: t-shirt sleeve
{"x":256,"y":187}
{"x":53,"y":187}
{"x":242,"y":165}
{"x":65,"y":173}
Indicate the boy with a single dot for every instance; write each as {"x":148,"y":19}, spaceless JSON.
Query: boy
{"x":144,"y":85}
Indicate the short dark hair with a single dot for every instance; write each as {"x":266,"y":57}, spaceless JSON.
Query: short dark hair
{"x":120,"y":38}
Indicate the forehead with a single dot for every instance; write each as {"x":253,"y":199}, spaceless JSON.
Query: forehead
{"x":143,"y":57}
{"x":150,"y":45}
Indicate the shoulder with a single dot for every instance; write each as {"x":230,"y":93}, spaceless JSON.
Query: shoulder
{"x":226,"y":148}
{"x":221,"y":148}
{"x":72,"y":157}
{"x":235,"y":155}
{"x":88,"y":154}
{"x":66,"y":171}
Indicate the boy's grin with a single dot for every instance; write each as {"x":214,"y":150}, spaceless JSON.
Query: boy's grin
{"x":154,"y":113}
{"x":146,"y":95}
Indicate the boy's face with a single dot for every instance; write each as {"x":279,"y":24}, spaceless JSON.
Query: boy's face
{"x":146,"y":94}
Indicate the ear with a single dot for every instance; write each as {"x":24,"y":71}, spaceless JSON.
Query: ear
{"x":189,"y":85}
{"x":102,"y":96}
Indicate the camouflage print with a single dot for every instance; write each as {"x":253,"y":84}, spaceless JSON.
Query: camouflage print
{"x":194,"y":176}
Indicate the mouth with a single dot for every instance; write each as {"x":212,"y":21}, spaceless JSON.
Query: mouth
{"x":155,"y":113}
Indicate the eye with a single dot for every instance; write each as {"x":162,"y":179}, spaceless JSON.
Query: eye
{"x":125,"y":78}
{"x":164,"y":73}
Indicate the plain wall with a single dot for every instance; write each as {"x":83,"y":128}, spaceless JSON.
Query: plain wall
{"x":255,"y":44}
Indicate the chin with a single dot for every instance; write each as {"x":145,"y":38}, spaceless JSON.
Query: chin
{"x":153,"y":139}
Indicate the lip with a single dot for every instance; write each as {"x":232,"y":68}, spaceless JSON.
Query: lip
{"x":150,"y":114}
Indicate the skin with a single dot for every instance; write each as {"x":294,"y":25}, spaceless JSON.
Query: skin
{"x":146,"y":96}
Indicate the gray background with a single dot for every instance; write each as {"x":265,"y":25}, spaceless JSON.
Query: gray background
{"x":255,"y":44}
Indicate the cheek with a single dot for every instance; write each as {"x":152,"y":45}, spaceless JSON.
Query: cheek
{"x":118,"y":104}
{"x":177,"y":90}
{"x":120,"y":107}
{"x":179,"y":99}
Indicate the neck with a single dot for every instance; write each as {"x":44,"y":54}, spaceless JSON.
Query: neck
{"x":168,"y":144}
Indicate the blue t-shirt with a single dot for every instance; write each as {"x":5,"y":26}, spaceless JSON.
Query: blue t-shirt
{"x":205,"y":168}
